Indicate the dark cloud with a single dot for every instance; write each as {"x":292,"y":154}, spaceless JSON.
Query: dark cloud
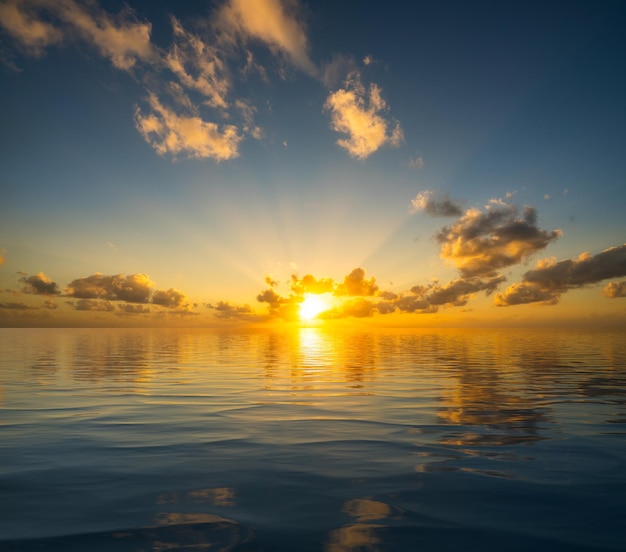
{"x":270,"y":297}
{"x":131,"y":309}
{"x":39,"y":284}
{"x":226,"y":311}
{"x":281,"y":307}
{"x":93,"y":305}
{"x":170,"y":298}
{"x":51,"y":305}
{"x":482,"y":242}
{"x":427,"y":299}
{"x":458,"y":292}
{"x":435,"y":206}
{"x":134,"y":288}
{"x":413,"y":303}
{"x":17,"y":306}
{"x":550,"y":279}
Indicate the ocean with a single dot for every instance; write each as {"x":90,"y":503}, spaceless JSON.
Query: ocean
{"x":312,"y":440}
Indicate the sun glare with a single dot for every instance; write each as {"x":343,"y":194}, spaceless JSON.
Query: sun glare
{"x":313,"y":305}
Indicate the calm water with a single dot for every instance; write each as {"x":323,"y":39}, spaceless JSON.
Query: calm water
{"x":155,"y":440}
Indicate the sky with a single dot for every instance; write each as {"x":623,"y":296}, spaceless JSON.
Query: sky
{"x":254,"y":162}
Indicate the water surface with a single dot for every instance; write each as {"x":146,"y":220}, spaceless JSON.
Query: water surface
{"x":312,"y":440}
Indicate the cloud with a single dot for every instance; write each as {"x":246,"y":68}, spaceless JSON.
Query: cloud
{"x":358,"y":296}
{"x":198,"y":66}
{"x":226,"y":311}
{"x":416,"y":162}
{"x":522,"y":293}
{"x":122,"y":38}
{"x":334,"y":72}
{"x":171,"y":298}
{"x":358,"y":308}
{"x":359,"y":113}
{"x":196,"y":72}
{"x":355,"y":283}
{"x":426,"y":299}
{"x":39,"y":284}
{"x":550,"y":279}
{"x":93,"y":305}
{"x":482,"y":242}
{"x":170,"y":133}
{"x":134,"y":288}
{"x":3,"y":252}
{"x":51,"y":305}
{"x":22,"y":22}
{"x":276,"y":23}
{"x":311,"y":284}
{"x":129,"y":309}
{"x":17,"y":306}
{"x":428,"y":202}
{"x":457,"y":292}
{"x":615,"y":289}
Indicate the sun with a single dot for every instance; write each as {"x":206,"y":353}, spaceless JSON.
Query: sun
{"x":313,"y":305}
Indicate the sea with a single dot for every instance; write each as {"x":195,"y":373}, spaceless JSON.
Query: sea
{"x":312,"y":439}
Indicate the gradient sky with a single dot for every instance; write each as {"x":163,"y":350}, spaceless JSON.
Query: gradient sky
{"x":216,"y":163}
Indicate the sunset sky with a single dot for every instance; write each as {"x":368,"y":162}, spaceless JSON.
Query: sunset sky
{"x":227,"y":162}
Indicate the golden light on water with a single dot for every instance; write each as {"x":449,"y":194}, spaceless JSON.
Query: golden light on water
{"x":313,"y":305}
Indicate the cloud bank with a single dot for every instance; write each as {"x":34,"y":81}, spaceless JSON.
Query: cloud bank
{"x":550,"y":279}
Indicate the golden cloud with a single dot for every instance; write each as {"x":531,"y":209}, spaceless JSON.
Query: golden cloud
{"x":273,"y":22}
{"x":170,"y":133}
{"x":22,"y":22}
{"x":358,"y":113}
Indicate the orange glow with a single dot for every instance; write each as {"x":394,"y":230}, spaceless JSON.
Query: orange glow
{"x":313,"y":305}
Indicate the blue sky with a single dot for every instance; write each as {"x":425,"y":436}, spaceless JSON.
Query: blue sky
{"x":455,"y":160}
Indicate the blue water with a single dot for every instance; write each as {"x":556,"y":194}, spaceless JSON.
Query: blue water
{"x":154,"y":440}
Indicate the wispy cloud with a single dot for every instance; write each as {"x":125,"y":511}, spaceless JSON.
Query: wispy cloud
{"x":122,"y":38}
{"x":416,"y":162}
{"x":21,"y":20}
{"x":36,"y":24}
{"x":275,"y":23}
{"x":360,"y":113}
{"x":199,"y":66}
